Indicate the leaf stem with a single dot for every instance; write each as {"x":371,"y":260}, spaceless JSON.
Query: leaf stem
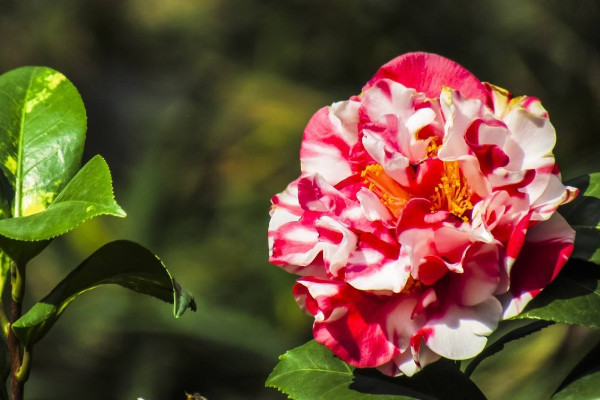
{"x":19,"y":367}
{"x":23,"y":372}
{"x":4,"y":322}
{"x":4,"y":273}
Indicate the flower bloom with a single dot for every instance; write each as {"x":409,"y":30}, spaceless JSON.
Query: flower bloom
{"x":424,"y":214}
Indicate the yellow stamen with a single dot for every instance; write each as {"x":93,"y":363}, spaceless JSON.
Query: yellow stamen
{"x":390,"y":193}
{"x":433,"y":147}
{"x":453,"y":192}
{"x":411,"y":286}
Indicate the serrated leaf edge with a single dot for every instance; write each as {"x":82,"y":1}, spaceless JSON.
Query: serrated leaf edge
{"x":120,"y":213}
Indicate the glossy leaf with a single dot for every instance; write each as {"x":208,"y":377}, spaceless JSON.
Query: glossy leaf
{"x":583,"y":214}
{"x":583,"y":383}
{"x":21,"y":252}
{"x":42,"y":133}
{"x":312,"y":372}
{"x":87,"y":195}
{"x":494,"y":346}
{"x":123,"y":263}
{"x":4,"y":270}
{"x":4,"y":213}
{"x":573,"y":297}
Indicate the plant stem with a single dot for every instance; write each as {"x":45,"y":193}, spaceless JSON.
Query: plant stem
{"x":4,"y":274}
{"x":18,"y":369}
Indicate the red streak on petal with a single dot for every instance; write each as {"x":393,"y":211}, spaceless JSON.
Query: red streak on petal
{"x":428,"y":73}
{"x":415,"y":342}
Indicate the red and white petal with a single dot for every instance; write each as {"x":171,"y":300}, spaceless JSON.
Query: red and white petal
{"x":284,"y":209}
{"x":548,"y":245}
{"x":533,"y":105}
{"x":292,"y":242}
{"x":555,"y":194}
{"x":534,"y":136}
{"x":336,"y":243}
{"x":395,"y":164}
{"x":460,"y":113}
{"x":428,"y":73}
{"x":500,"y":99}
{"x":487,"y":214}
{"x":389,"y":114}
{"x":298,"y":244}
{"x":495,"y":217}
{"x":460,"y":333}
{"x":481,"y":275}
{"x":351,"y":323}
{"x":316,"y":195}
{"x":432,"y":244}
{"x":328,"y":141}
{"x":406,"y":364}
{"x":385,"y":98}
{"x":286,"y":202}
{"x":372,"y":207}
{"x":368,"y":269}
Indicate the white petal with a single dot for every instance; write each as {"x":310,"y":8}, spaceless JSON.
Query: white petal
{"x":461,"y":333}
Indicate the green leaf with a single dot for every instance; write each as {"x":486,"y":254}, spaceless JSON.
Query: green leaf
{"x":87,"y":195}
{"x":42,"y":133}
{"x":497,"y":345}
{"x":6,"y":194}
{"x":583,"y":383}
{"x":123,"y":263}
{"x":583,"y":214}
{"x":312,"y":372}
{"x":573,"y":297}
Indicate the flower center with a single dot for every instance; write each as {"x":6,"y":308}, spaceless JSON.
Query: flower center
{"x":390,"y":193}
{"x":411,"y":286}
{"x":453,"y":192}
{"x":433,"y":147}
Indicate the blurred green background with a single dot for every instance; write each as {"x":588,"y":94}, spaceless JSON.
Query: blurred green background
{"x":199,"y":107}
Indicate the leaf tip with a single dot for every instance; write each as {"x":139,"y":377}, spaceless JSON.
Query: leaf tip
{"x":120,"y":212}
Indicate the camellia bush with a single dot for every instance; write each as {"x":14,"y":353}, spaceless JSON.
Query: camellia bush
{"x":45,"y":194}
{"x":429,"y":211}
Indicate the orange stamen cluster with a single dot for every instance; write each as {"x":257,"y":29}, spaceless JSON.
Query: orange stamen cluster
{"x":433,"y":147}
{"x":390,"y":193}
{"x":453,"y":192}
{"x":412,"y":285}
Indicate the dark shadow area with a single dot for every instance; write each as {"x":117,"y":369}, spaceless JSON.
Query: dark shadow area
{"x":577,"y":278}
{"x":451,"y":384}
{"x":583,"y":214}
{"x":588,"y":365}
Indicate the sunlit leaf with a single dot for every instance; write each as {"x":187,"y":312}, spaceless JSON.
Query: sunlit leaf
{"x":583,"y":383}
{"x":583,"y":214}
{"x":87,"y":195}
{"x":573,"y":297}
{"x":312,"y":372}
{"x":42,"y":133}
{"x":497,"y":345}
{"x":123,"y":263}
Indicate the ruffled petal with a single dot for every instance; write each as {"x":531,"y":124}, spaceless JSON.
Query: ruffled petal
{"x":460,"y":333}
{"x":548,"y":246}
{"x":428,"y":73}
{"x":328,"y":139}
{"x":351,"y":323}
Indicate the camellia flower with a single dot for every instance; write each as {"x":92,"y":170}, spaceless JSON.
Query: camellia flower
{"x":425,"y":213}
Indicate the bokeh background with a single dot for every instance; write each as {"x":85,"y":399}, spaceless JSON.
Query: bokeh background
{"x":199,"y":106}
